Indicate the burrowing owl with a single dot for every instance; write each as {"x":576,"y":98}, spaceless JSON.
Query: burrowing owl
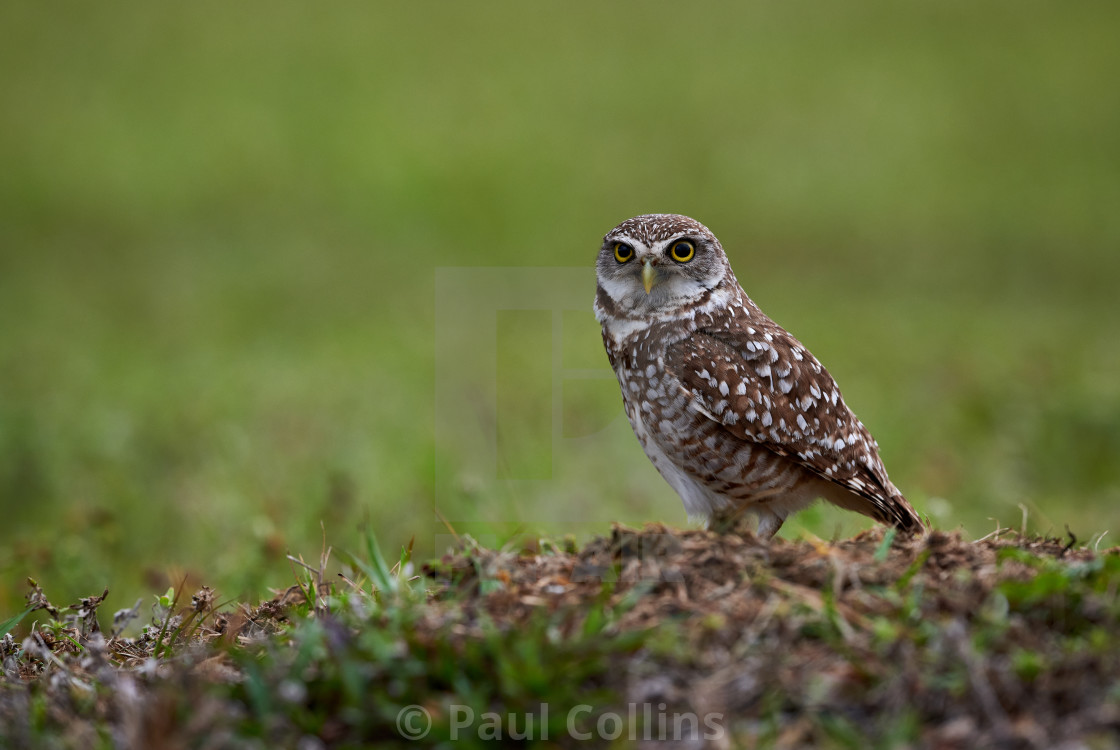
{"x":732,"y":410}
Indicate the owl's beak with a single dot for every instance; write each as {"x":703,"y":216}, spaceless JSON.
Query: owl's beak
{"x":649,"y":274}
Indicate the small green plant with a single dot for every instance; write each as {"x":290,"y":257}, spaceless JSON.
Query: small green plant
{"x":9,"y":625}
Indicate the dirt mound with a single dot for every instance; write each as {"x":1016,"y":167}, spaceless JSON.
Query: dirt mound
{"x":1004,"y":642}
{"x":880,"y":640}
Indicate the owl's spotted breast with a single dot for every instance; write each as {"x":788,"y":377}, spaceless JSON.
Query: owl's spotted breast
{"x":730,"y":408}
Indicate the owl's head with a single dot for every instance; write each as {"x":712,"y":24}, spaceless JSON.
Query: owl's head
{"x":659,"y":263}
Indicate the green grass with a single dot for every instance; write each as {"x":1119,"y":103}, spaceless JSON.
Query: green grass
{"x":220,"y":231}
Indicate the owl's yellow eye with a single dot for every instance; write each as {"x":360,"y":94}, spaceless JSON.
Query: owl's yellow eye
{"x":682,"y":251}
{"x":623,"y":252}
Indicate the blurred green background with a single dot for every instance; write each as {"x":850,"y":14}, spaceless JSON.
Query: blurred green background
{"x":221,"y":230}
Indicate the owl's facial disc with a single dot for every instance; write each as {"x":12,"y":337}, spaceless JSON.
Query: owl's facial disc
{"x":644,"y":276}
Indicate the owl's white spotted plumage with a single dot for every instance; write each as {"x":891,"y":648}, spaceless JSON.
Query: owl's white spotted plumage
{"x":733,"y":411}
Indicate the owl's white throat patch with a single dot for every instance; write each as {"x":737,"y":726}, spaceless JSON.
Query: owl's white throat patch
{"x":622,"y":328}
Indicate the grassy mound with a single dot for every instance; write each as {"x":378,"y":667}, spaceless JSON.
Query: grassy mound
{"x":654,"y":635}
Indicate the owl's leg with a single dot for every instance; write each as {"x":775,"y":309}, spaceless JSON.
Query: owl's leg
{"x":768,"y":523}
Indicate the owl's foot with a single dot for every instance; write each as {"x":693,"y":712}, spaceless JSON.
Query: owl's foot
{"x":736,"y":520}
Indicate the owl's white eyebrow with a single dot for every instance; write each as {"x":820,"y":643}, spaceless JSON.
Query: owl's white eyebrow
{"x":686,"y":236}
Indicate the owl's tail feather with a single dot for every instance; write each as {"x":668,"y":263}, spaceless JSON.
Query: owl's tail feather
{"x":889,"y":508}
{"x":903,"y":515}
{"x":893,"y":508}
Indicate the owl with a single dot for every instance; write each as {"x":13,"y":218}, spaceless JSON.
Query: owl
{"x":732,"y":410}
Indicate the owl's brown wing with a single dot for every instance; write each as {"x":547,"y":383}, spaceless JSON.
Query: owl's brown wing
{"x":762,"y":385}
